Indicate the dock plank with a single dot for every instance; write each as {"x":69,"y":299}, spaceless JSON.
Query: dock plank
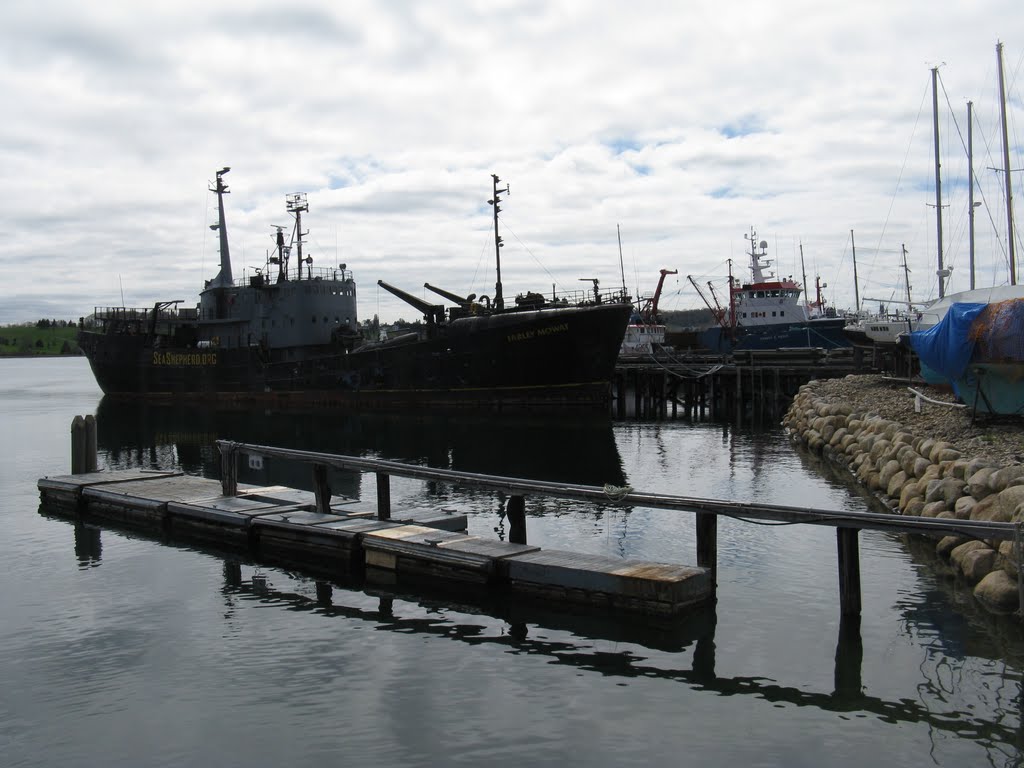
{"x":650,"y":586}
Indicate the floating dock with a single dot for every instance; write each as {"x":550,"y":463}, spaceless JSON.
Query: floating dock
{"x":352,"y":539}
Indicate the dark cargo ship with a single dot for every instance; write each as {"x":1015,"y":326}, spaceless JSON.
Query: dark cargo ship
{"x":291,"y":333}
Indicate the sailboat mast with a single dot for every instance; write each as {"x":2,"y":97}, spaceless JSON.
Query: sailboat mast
{"x":938,"y":177}
{"x":970,"y":186}
{"x":1006,"y":169}
{"x":856,"y":290}
{"x":499,"y":302}
{"x":906,"y":273}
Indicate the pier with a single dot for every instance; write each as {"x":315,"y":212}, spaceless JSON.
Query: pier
{"x":746,"y":386}
{"x":338,"y":536}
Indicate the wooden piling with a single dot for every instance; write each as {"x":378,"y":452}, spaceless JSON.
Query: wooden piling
{"x":849,"y":571}
{"x":515,"y":511}
{"x":77,"y":445}
{"x":321,"y":489}
{"x":707,"y":544}
{"x":383,"y":496}
{"x":228,"y":469}
{"x":83,"y":444}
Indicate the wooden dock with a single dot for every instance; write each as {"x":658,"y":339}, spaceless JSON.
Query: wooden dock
{"x":343,"y":537}
{"x":350,"y":539}
{"x":748,"y":386}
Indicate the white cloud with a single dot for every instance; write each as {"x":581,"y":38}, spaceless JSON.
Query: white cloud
{"x":686,"y":124}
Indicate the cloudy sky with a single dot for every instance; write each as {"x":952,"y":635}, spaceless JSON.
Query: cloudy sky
{"x":683,"y":124}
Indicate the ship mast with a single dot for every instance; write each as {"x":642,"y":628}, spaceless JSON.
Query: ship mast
{"x":499,"y":302}
{"x":1006,"y":168}
{"x":938,"y":180}
{"x":223,"y":277}
{"x":296,"y":204}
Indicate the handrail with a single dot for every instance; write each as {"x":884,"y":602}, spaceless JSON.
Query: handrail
{"x":774,"y":513}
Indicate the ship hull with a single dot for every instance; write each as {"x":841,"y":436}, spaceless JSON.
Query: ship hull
{"x":826,"y":333}
{"x":557,"y":356}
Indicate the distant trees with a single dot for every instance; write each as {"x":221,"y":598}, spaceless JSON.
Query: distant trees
{"x":44,"y":323}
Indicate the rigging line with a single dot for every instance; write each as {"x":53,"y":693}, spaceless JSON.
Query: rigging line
{"x":480,"y":259}
{"x":899,"y":179}
{"x":980,"y":190}
{"x":541,"y":265}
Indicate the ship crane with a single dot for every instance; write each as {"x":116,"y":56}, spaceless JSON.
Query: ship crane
{"x":717,"y":311}
{"x":649,"y":308}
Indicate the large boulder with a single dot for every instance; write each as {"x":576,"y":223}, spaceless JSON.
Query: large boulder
{"x":998,"y":592}
{"x":964,"y":505}
{"x":1000,"y":479}
{"x":977,"y":564}
{"x":978,"y":483}
{"x":948,"y":490}
{"x":895,"y":485}
{"x":957,"y":555}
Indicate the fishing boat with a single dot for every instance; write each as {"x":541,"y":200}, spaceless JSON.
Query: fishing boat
{"x":645,"y":334}
{"x":290,"y":333}
{"x":767,"y":312}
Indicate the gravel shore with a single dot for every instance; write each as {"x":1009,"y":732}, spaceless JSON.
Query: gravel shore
{"x":999,"y":440}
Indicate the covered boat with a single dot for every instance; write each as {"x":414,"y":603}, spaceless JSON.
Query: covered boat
{"x":978,"y":349}
{"x":292,"y":333}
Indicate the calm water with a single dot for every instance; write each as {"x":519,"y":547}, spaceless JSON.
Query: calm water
{"x":118,"y":650}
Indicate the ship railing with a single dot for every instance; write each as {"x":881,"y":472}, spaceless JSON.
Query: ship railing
{"x":579,"y":297}
{"x":139,"y":318}
{"x":706,"y":511}
{"x":269,"y":276}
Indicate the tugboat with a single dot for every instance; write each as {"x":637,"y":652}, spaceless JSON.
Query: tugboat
{"x":766,"y":313}
{"x":294,"y":336}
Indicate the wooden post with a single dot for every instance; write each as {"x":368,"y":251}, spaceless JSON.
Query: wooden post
{"x":739,"y":396}
{"x":321,"y":489}
{"x":383,"y":496}
{"x":91,"y":463}
{"x":515,"y":511}
{"x":707,"y":544}
{"x":77,"y":445}
{"x":620,"y":395}
{"x":228,"y":469}
{"x":849,"y":571}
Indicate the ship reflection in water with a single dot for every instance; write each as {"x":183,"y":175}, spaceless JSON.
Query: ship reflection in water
{"x":536,"y":446}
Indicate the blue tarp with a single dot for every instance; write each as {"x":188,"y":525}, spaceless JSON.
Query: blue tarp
{"x":946,"y":347}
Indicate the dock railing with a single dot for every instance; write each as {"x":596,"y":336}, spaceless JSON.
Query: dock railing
{"x":847,"y":524}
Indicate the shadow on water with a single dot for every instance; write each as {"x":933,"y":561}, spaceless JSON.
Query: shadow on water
{"x":577,"y":637}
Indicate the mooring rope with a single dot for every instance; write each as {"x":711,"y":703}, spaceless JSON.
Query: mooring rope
{"x":616,"y":493}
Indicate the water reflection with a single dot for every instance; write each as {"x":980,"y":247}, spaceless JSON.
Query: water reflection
{"x":683,"y":650}
{"x":578,"y":641}
{"x":88,"y":546}
{"x":541,"y":446}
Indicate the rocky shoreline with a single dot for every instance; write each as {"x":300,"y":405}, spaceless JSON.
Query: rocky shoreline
{"x":925,"y":459}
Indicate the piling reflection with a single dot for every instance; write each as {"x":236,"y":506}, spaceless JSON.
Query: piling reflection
{"x":579,"y":641}
{"x":88,"y":546}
